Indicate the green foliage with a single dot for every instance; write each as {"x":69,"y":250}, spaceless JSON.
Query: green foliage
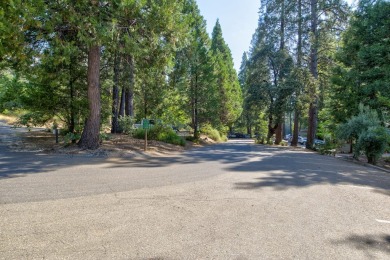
{"x":213,"y":133}
{"x":373,"y":142}
{"x":126,"y":124}
{"x":371,"y":138}
{"x":70,"y":138}
{"x":363,"y":62}
{"x":356,"y":125}
{"x":11,"y":89}
{"x":160,"y":133}
{"x":104,"y":137}
{"x":228,"y":87}
{"x":33,"y":119}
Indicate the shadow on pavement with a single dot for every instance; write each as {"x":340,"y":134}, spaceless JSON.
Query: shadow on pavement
{"x":283,"y":168}
{"x":367,"y":243}
{"x":290,"y":169}
{"x":20,"y":164}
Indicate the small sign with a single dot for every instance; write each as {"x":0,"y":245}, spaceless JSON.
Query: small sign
{"x":145,"y":124}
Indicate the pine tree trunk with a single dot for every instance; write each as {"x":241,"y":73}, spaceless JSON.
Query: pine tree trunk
{"x":279,"y":134}
{"x":312,"y":128}
{"x":129,"y":102}
{"x":123,"y":101}
{"x":90,"y":136}
{"x":294,"y":141}
{"x":195,"y":119}
{"x":115,"y":96}
{"x":72,"y":123}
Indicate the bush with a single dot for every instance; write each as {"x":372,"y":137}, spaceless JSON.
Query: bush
{"x":71,"y":138}
{"x":160,"y":133}
{"x":213,"y":133}
{"x":371,"y":138}
{"x":126,"y":124}
{"x":372,"y":143}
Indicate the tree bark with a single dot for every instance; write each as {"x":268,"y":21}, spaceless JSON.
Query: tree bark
{"x":279,"y":134}
{"x":90,"y":136}
{"x":312,"y":128}
{"x":123,"y":101}
{"x":115,"y":96}
{"x":72,"y":123}
{"x":294,"y":141}
{"x":129,"y":101}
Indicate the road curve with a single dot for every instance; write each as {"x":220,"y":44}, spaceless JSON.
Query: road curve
{"x":229,"y":201}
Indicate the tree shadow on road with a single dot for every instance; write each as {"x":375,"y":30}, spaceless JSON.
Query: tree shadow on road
{"x":370,"y":244}
{"x":280,"y":168}
{"x":293,"y":169}
{"x":20,"y":164}
{"x":224,"y":153}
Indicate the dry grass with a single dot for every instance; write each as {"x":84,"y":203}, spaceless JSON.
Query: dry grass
{"x":11,"y":120}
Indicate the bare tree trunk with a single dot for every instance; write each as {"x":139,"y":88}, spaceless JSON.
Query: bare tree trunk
{"x":311,"y":132}
{"x":90,"y":136}
{"x":115,"y":96}
{"x":279,"y":128}
{"x":129,"y":101}
{"x":294,"y":141}
{"x":195,"y":115}
{"x":279,"y":134}
{"x":122,"y":105}
{"x":72,"y":120}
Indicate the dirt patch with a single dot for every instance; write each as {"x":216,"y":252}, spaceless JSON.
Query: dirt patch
{"x":117,"y":145}
{"x":383,"y":163}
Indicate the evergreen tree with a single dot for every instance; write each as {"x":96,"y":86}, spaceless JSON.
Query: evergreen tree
{"x":362,"y":75}
{"x":230,"y":95}
{"x":193,"y":75}
{"x":271,"y":65}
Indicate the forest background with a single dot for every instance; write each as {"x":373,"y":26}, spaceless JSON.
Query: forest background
{"x":314,"y":66}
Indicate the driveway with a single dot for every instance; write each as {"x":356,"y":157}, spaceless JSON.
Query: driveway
{"x":230,"y":201}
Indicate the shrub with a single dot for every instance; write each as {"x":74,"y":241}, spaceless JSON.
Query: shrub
{"x":371,"y":138}
{"x":372,"y":143}
{"x":160,"y":133}
{"x":71,"y":138}
{"x":213,"y":133}
{"x":126,"y":124}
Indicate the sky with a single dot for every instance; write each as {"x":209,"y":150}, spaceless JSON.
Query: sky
{"x":238,"y":19}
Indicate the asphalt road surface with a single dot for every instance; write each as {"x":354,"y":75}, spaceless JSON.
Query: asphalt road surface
{"x":229,"y":201}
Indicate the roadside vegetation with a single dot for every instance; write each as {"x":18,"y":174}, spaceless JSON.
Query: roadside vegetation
{"x":315,"y":69}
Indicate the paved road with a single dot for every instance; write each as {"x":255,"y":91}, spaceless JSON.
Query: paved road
{"x":229,"y":201}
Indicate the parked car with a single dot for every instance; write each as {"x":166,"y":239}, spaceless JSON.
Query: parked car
{"x":239,"y":135}
{"x":302,"y":140}
{"x":319,"y":142}
{"x":231,"y":135}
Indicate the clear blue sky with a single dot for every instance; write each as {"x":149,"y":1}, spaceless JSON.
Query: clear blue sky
{"x":238,"y":19}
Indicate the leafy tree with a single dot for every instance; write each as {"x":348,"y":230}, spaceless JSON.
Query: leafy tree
{"x":366,"y":130}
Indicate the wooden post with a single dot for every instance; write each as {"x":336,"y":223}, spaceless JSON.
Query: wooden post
{"x":146,"y":140}
{"x":56,"y":133}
